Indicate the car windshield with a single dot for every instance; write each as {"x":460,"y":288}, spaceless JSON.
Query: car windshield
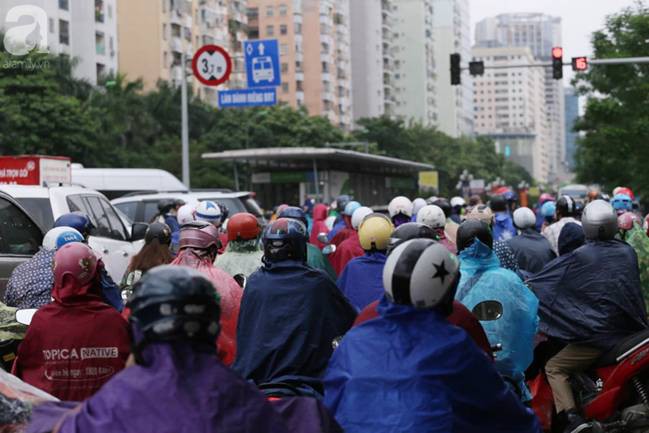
{"x":39,"y":209}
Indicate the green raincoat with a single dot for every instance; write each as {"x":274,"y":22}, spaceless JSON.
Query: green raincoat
{"x":637,"y":238}
{"x":317,"y":260}
{"x":240,"y":257}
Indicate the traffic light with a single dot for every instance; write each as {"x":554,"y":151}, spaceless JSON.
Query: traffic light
{"x":557,"y":63}
{"x":580,"y":64}
{"x":476,"y":68}
{"x":456,"y":70}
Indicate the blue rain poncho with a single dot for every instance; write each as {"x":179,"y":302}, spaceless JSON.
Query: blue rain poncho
{"x":592,"y":295}
{"x":503,"y":227}
{"x":362,"y":280}
{"x":411,"y":371}
{"x":482,"y":280}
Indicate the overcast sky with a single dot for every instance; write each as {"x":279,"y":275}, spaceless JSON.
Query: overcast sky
{"x":580,"y":18}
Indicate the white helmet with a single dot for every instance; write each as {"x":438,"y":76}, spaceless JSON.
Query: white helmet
{"x":524,"y":218}
{"x":51,"y":238}
{"x":359,"y":215}
{"x":419,"y":272}
{"x":400,"y":205}
{"x":186,"y":214}
{"x":417,"y":204}
{"x":457,"y":201}
{"x":432,"y":216}
{"x":208,"y":211}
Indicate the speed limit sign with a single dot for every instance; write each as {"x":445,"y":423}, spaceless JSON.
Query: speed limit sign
{"x":212,"y":65}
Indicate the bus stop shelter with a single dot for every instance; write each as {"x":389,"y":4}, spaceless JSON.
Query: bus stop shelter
{"x":288,"y":174}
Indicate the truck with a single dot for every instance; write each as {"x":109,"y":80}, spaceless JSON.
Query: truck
{"x":35,"y":170}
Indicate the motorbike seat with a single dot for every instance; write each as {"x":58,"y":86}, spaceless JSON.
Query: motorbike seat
{"x":624,"y":346}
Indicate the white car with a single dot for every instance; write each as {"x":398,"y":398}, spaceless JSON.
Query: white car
{"x":113,"y":238}
{"x":144,"y":207}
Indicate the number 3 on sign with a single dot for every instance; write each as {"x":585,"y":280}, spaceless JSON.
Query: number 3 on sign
{"x":212,"y":65}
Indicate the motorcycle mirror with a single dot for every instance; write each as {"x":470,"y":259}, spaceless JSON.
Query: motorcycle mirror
{"x":25,"y":316}
{"x":241,"y":280}
{"x":487,"y":311}
{"x":322,"y":237}
{"x":329,"y":249}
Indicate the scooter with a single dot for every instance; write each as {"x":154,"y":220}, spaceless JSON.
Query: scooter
{"x":613,"y":396}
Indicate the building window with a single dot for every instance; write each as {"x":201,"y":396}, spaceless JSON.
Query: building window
{"x":99,"y":11}
{"x":269,"y":11}
{"x":325,"y":67}
{"x":284,"y":87}
{"x":164,"y":32}
{"x":64,"y":32}
{"x":64,"y":4}
{"x":283,"y":49}
{"x":284,"y":68}
{"x":175,"y":30}
{"x":109,"y":8}
{"x":270,"y":30}
{"x":100,"y":43}
{"x":101,"y":70}
{"x":299,"y":86}
{"x":283,"y":29}
{"x":283,"y":10}
{"x":298,"y":28}
{"x":51,"y":25}
{"x":111,"y":46}
{"x":298,"y":66}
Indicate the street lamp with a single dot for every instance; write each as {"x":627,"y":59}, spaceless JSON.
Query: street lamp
{"x":464,"y":183}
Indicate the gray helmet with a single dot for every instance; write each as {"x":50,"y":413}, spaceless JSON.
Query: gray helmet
{"x":599,"y":221}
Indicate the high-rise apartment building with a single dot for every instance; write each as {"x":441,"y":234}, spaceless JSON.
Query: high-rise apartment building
{"x":540,"y":33}
{"x":373,"y":50}
{"x":84,"y":30}
{"x":510,"y":108}
{"x":414,"y":71}
{"x":154,"y":35}
{"x":315,"y":57}
{"x":572,"y":114}
{"x":452,"y":34}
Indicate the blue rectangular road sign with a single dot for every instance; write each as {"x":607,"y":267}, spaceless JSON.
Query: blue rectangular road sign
{"x":262,"y":63}
{"x":241,"y":98}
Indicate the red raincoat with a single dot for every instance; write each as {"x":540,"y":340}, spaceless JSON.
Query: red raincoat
{"x":344,"y":233}
{"x":74,"y":344}
{"x":461,"y":317}
{"x":349,"y":249}
{"x":230,"y":293}
{"x":319,"y":226}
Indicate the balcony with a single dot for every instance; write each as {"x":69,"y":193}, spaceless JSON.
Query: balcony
{"x":297,"y":18}
{"x":326,"y":77}
{"x":327,"y":96}
{"x":326,"y":58}
{"x":176,"y":44}
{"x":299,"y":76}
{"x":326,"y":20}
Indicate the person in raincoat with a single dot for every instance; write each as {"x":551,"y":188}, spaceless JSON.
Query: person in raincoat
{"x":410,"y":370}
{"x":314,"y":256}
{"x":433,"y":216}
{"x":483,"y":279}
{"x":565,"y":212}
{"x":538,"y":210}
{"x":503,"y":226}
{"x":631,"y":231}
{"x":591,"y":300}
{"x":242,"y":256}
{"x":400,"y":210}
{"x":319,"y":225}
{"x":350,"y":248}
{"x":339,"y":222}
{"x":417,"y":205}
{"x":76,"y":343}
{"x":290,"y":315}
{"x":361,"y":280}
{"x":176,"y":383}
{"x":571,"y":237}
{"x":199,"y":244}
{"x":531,"y":249}
{"x":347,"y":231}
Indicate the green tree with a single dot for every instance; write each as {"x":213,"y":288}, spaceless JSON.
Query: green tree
{"x":614,"y":147}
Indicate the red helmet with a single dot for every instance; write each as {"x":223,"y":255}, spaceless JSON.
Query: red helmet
{"x":626,"y":220}
{"x":243,"y":227}
{"x":624,"y":190}
{"x":76,"y":260}
{"x":199,"y":235}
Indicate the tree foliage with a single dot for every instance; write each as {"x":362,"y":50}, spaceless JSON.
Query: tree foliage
{"x":116,"y":124}
{"x":614,"y":148}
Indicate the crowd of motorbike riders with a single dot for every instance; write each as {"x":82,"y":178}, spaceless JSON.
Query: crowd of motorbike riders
{"x":439,"y":316}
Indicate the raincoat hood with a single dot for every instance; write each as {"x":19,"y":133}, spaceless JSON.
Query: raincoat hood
{"x":477,"y":257}
{"x":319,"y":226}
{"x":30,"y":284}
{"x":434,"y":379}
{"x":68,"y":291}
{"x":240,"y":258}
{"x":230,"y":293}
{"x":181,"y":389}
{"x":571,"y":237}
{"x":362,"y":279}
{"x":319,"y":212}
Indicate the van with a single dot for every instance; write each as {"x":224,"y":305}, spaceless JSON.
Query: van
{"x":114,"y":239}
{"x":117,"y":182}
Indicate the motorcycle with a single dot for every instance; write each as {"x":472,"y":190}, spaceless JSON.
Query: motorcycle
{"x":329,"y":248}
{"x":613,"y":396}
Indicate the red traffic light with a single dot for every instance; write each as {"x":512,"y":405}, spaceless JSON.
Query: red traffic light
{"x":557,"y":52}
{"x":580,"y":64}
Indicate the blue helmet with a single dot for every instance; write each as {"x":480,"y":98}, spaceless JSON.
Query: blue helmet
{"x":294,"y":213}
{"x":622,"y":202}
{"x":67,"y":237}
{"x":351,"y":207}
{"x":285,"y":239}
{"x":78,"y":221}
{"x":548,"y":209}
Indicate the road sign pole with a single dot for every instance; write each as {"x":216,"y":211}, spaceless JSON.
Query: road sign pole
{"x":185,"y":122}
